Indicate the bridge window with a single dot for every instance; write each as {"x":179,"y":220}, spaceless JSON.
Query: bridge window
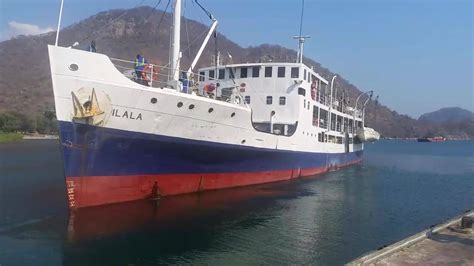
{"x":295,"y":72}
{"x":211,"y":74}
{"x":281,"y":72}
{"x":243,"y":72}
{"x":255,"y":71}
{"x":222,"y":73}
{"x":301,"y":91}
{"x":304,"y":74}
{"x":269,"y":100}
{"x":282,"y":100}
{"x":268,"y":72}
{"x":247,"y":99}
{"x":201,"y":76}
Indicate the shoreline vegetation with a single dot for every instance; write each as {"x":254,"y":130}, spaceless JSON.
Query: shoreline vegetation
{"x":16,"y":126}
{"x":10,"y":136}
{"x":15,"y":136}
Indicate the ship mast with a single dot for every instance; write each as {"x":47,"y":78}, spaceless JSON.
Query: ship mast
{"x":175,"y":52}
{"x":301,"y":38}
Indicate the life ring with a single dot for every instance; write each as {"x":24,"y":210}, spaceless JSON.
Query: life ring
{"x":314,"y":90}
{"x":147,"y":74}
{"x":209,"y":87}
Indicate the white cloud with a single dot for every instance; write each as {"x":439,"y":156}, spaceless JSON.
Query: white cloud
{"x":17,"y":28}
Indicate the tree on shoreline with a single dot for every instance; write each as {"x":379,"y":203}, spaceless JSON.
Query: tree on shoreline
{"x":17,"y":122}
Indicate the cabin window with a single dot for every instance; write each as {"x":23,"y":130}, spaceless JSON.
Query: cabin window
{"x":247,"y":99}
{"x":351,"y":125}
{"x":243,"y":72}
{"x":339,"y":123}
{"x":282,"y":100}
{"x":281,"y":72}
{"x":222,"y":73}
{"x":201,"y":76}
{"x":320,"y":137}
{"x":295,"y":72}
{"x":301,"y":91}
{"x":304,"y":74}
{"x":333,"y":121}
{"x":211,"y":74}
{"x":323,"y":117}
{"x":339,"y":140}
{"x":268,"y":72}
{"x":269,"y":100}
{"x":315,"y":115}
{"x":304,"y":103}
{"x":309,"y":78}
{"x":255,"y":71}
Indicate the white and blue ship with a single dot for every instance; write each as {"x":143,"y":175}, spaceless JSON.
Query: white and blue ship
{"x":235,"y":125}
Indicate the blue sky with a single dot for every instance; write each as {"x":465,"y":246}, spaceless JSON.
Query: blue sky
{"x":416,"y":54}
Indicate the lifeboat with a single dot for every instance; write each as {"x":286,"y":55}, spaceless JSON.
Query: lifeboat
{"x":368,"y":134}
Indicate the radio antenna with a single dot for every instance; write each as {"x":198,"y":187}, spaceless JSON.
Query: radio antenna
{"x":301,"y":38}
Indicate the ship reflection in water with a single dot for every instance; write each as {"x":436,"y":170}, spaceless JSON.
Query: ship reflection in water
{"x":214,"y":227}
{"x":176,"y":211}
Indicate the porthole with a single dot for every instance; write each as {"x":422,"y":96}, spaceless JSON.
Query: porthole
{"x":243,"y":141}
{"x":191,"y":106}
{"x":180,"y":104}
{"x":232,"y":115}
{"x":153,"y":100}
{"x":73,"y":67}
{"x":210,"y":110}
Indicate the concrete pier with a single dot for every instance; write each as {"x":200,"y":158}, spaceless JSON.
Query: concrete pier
{"x":445,"y":244}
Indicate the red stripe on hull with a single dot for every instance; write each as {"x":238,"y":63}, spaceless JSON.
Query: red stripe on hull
{"x":100,"y":190}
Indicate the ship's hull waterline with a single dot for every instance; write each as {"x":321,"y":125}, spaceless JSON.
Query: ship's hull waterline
{"x":105,"y":166}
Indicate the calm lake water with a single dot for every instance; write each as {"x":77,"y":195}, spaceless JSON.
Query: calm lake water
{"x":401,"y":188}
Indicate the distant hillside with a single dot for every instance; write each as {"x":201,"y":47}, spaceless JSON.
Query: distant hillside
{"x":25,"y":82}
{"x":447,"y":115}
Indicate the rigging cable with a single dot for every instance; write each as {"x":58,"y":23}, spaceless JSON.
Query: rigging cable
{"x":186,"y":28}
{"x":163,"y":15}
{"x":205,"y":10}
{"x":153,"y":10}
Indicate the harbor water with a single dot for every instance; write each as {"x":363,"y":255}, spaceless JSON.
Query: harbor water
{"x":401,"y":188}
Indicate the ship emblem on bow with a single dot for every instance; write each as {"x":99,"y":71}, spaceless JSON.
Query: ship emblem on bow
{"x":88,"y":108}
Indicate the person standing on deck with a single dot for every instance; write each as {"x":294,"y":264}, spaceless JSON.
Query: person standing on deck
{"x":185,"y":81}
{"x":92,"y":47}
{"x":140,"y":62}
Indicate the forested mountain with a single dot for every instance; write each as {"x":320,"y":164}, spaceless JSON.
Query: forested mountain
{"x":25,"y":82}
{"x":447,"y":115}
